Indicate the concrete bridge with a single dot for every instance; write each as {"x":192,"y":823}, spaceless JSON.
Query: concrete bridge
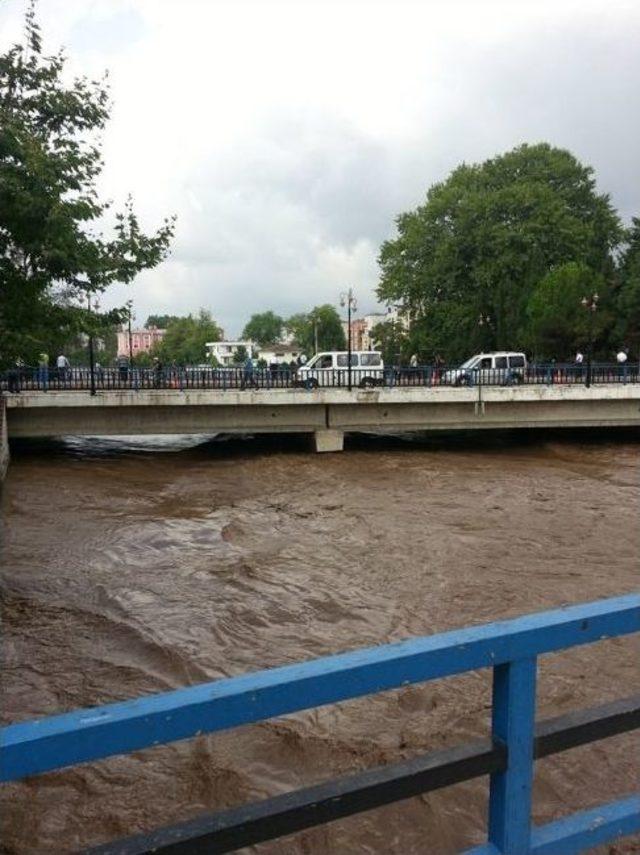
{"x":327,"y":414}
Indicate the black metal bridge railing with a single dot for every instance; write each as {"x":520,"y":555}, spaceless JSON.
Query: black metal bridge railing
{"x":182,"y":378}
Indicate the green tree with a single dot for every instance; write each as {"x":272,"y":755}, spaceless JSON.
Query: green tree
{"x":144,"y":359}
{"x":185,"y":339}
{"x":392,"y":340}
{"x":627,"y":329}
{"x":52,"y":254}
{"x":484,"y":239}
{"x":322,"y":323}
{"x":241,"y":355}
{"x":160,"y":322}
{"x":264,"y":328}
{"x":558,"y":322}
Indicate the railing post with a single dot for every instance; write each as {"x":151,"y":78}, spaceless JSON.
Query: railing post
{"x":514,"y":701}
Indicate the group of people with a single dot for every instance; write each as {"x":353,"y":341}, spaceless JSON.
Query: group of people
{"x":276,"y":369}
{"x":621,"y":356}
{"x":16,"y":372}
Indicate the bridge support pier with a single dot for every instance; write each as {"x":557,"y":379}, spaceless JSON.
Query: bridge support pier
{"x":328,"y":439}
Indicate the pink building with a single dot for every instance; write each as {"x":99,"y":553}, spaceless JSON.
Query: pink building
{"x":141,"y":340}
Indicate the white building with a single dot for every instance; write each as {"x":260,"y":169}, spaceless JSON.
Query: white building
{"x":224,"y":351}
{"x":396,"y":313}
{"x":279,"y":352}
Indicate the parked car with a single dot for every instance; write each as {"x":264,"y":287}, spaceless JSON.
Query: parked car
{"x":504,"y":368}
{"x":332,"y":369}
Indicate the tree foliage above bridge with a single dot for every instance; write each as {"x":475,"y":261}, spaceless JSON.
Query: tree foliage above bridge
{"x":264,"y":328}
{"x":322,"y":323}
{"x":628,"y":307}
{"x":467,"y":261}
{"x":52,"y":254}
{"x":185,"y":339}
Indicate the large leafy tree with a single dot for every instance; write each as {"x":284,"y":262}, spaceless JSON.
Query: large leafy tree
{"x":53,"y":254}
{"x":483,"y":240}
{"x":558,"y":322}
{"x":392,"y":340}
{"x":160,"y":322}
{"x":185,"y":339}
{"x":264,"y":328}
{"x":321,"y":324}
{"x":627,"y":330}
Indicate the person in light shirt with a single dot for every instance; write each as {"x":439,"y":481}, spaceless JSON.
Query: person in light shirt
{"x":621,"y":359}
{"x":63,"y":366}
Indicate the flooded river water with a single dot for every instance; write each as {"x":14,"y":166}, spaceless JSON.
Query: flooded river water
{"x":138,"y":566}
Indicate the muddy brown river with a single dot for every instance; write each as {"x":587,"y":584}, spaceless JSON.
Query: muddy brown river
{"x":134,"y":566}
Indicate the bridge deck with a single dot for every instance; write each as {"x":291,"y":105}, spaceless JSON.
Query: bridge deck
{"x":171,"y":411}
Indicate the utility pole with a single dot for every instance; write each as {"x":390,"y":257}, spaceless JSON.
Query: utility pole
{"x":347,"y":299}
{"x":130,"y":311}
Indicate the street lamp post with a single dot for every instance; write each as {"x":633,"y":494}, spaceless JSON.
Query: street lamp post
{"x":484,"y":321}
{"x":591,"y":305}
{"x":347,"y":299}
{"x":129,"y":315}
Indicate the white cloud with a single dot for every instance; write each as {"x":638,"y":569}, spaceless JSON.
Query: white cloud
{"x":287,"y":136}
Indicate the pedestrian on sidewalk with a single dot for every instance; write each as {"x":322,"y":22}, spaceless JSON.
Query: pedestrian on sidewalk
{"x":14,"y":375}
{"x":64,"y":367}
{"x":578,"y":370}
{"x":43,"y":371}
{"x":248,"y":374}
{"x":621,"y":359}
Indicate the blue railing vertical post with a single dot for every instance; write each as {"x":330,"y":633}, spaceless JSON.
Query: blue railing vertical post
{"x":514,"y":702}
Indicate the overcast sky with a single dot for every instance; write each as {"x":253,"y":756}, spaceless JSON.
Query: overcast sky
{"x":288,"y":136}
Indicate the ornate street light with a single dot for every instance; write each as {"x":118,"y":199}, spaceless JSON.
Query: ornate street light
{"x":485,"y":321}
{"x":347,"y":299}
{"x":130,"y":315}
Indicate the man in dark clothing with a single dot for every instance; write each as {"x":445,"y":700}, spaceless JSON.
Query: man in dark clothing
{"x":13,"y":377}
{"x":157,"y":373}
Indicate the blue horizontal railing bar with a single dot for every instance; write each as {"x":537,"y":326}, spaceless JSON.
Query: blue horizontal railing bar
{"x":580,"y":831}
{"x":90,"y":734}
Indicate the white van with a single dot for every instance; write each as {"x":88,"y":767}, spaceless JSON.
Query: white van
{"x":504,"y":368}
{"x":332,"y":369}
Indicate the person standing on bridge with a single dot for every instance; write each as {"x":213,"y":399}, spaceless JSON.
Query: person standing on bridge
{"x":63,"y":366}
{"x":248,"y":375}
{"x":43,"y":371}
{"x":14,"y":375}
{"x":579,"y":361}
{"x":621,"y":359}
{"x":157,"y":373}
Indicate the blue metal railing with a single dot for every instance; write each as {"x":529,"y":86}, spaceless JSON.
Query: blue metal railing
{"x":510,"y":648}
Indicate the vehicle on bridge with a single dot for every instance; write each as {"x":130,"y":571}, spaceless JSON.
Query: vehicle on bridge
{"x":331,"y":368}
{"x":504,"y":368}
